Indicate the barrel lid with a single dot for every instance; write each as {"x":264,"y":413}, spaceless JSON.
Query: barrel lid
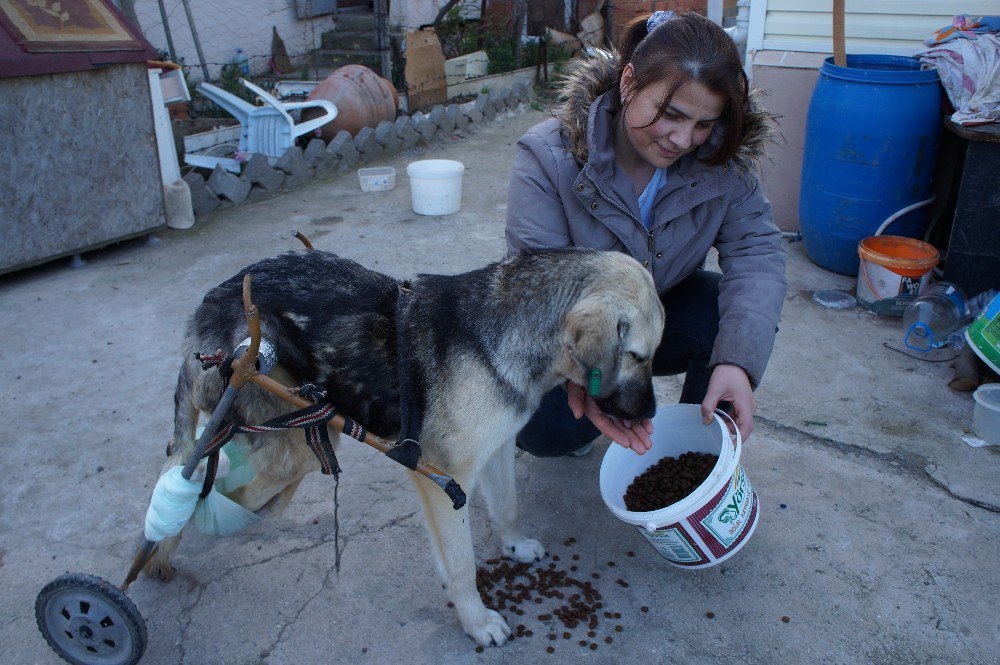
{"x":872,"y":68}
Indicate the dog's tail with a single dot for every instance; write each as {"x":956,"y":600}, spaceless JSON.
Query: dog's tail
{"x":185,"y":411}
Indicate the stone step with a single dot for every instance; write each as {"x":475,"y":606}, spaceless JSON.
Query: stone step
{"x":349,"y":40}
{"x":355,"y":20}
{"x":338,"y":58}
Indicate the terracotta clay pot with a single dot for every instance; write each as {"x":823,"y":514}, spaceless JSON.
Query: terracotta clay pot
{"x":363,"y":99}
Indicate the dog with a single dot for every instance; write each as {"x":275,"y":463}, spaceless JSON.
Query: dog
{"x":486,"y":345}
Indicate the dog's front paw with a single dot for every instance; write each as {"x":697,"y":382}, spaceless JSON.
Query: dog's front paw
{"x":524,"y":550}
{"x":488,"y":628}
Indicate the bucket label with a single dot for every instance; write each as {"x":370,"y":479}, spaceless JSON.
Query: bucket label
{"x":887,"y":293}
{"x":671,"y":542}
{"x":724,"y":520}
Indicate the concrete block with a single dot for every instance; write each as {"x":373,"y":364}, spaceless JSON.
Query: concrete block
{"x":439,"y":116}
{"x":427,"y":130}
{"x":368,"y":148}
{"x":295,"y":167}
{"x":202,"y":200}
{"x":343,"y":145}
{"x":227,"y":186}
{"x":258,"y":193}
{"x":476,"y":119}
{"x":316,"y":156}
{"x":258,"y":171}
{"x":484,"y":104}
{"x":406,"y":133}
{"x":457,"y":119}
{"x":385,"y":135}
{"x":512,"y":98}
{"x":528,"y":92}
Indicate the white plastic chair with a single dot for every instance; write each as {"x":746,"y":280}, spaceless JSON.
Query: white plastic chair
{"x":268,"y":130}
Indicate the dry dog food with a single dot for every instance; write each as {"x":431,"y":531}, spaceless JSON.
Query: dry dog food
{"x":576,"y":603}
{"x":668,"y":481}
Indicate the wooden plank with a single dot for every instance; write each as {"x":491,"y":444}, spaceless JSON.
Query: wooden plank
{"x":426,"y":84}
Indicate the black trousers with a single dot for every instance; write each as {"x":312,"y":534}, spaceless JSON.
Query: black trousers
{"x":692,"y":325}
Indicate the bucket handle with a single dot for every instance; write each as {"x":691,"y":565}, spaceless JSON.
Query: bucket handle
{"x":734,"y":437}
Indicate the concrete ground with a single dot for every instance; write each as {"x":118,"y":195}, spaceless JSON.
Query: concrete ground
{"x":878,"y":532}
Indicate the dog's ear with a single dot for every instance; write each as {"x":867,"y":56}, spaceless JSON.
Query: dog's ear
{"x":592,"y":339}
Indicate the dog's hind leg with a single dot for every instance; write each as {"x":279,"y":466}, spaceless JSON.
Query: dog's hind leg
{"x":452,"y":536}
{"x":499,"y":489}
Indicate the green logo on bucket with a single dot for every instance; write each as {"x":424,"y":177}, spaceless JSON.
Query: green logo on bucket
{"x":727,"y":521}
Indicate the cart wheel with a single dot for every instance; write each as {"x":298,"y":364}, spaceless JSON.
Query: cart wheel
{"x":89,"y":621}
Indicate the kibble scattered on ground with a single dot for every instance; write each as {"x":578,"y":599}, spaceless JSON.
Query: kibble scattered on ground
{"x":508,"y":587}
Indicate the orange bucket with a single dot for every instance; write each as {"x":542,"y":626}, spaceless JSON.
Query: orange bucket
{"x":892,"y":273}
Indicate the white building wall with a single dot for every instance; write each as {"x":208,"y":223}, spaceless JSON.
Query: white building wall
{"x":409,"y":15}
{"x":225,"y":25}
{"x":890,"y":27}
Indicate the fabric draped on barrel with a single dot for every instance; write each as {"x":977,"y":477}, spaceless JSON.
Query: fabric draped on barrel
{"x":872,"y":135}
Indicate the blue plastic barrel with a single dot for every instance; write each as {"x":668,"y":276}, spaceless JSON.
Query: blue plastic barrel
{"x":871,"y":141}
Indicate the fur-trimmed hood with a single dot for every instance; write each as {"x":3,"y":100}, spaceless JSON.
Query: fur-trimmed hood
{"x":590,"y":77}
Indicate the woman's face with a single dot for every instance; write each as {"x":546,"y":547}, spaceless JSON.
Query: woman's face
{"x":683,"y":127}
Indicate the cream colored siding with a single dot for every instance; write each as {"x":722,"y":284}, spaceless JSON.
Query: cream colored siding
{"x":871,"y":26}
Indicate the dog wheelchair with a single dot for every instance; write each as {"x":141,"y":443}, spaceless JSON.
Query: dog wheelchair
{"x":89,"y":621}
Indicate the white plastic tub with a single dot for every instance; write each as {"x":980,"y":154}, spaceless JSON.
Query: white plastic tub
{"x":436,"y":186}
{"x":710,"y":524}
{"x":986,"y":413}
{"x":377,"y":178}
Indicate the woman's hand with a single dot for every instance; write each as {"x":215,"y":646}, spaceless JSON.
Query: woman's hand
{"x":632,"y":434}
{"x":731,"y":384}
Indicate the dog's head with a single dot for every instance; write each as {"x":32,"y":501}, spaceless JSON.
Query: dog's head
{"x":614,"y":328}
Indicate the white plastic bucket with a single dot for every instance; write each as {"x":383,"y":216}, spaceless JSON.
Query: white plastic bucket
{"x":436,"y":186}
{"x":710,"y":524}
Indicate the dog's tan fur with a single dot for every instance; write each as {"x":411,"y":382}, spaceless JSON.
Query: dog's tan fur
{"x":469,"y":425}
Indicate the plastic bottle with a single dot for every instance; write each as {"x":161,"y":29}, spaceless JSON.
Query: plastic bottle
{"x":933,"y":316}
{"x":242,"y":62}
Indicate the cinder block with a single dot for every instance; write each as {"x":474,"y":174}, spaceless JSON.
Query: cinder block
{"x":458,"y":121}
{"x":497,"y":98}
{"x":368,"y":148}
{"x":406,"y":133}
{"x":343,"y":145}
{"x":484,"y":104}
{"x":385,"y":135}
{"x":225,"y":185}
{"x":202,"y":200}
{"x":295,"y":167}
{"x":258,"y":193}
{"x":427,"y":130}
{"x":510,"y":99}
{"x":439,"y":116}
{"x":317,"y":157}
{"x":476,"y":118}
{"x":258,"y":171}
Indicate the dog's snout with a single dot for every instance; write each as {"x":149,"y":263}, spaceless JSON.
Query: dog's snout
{"x":632,"y":401}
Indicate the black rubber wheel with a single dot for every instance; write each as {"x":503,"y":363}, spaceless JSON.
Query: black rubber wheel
{"x":89,"y":621}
